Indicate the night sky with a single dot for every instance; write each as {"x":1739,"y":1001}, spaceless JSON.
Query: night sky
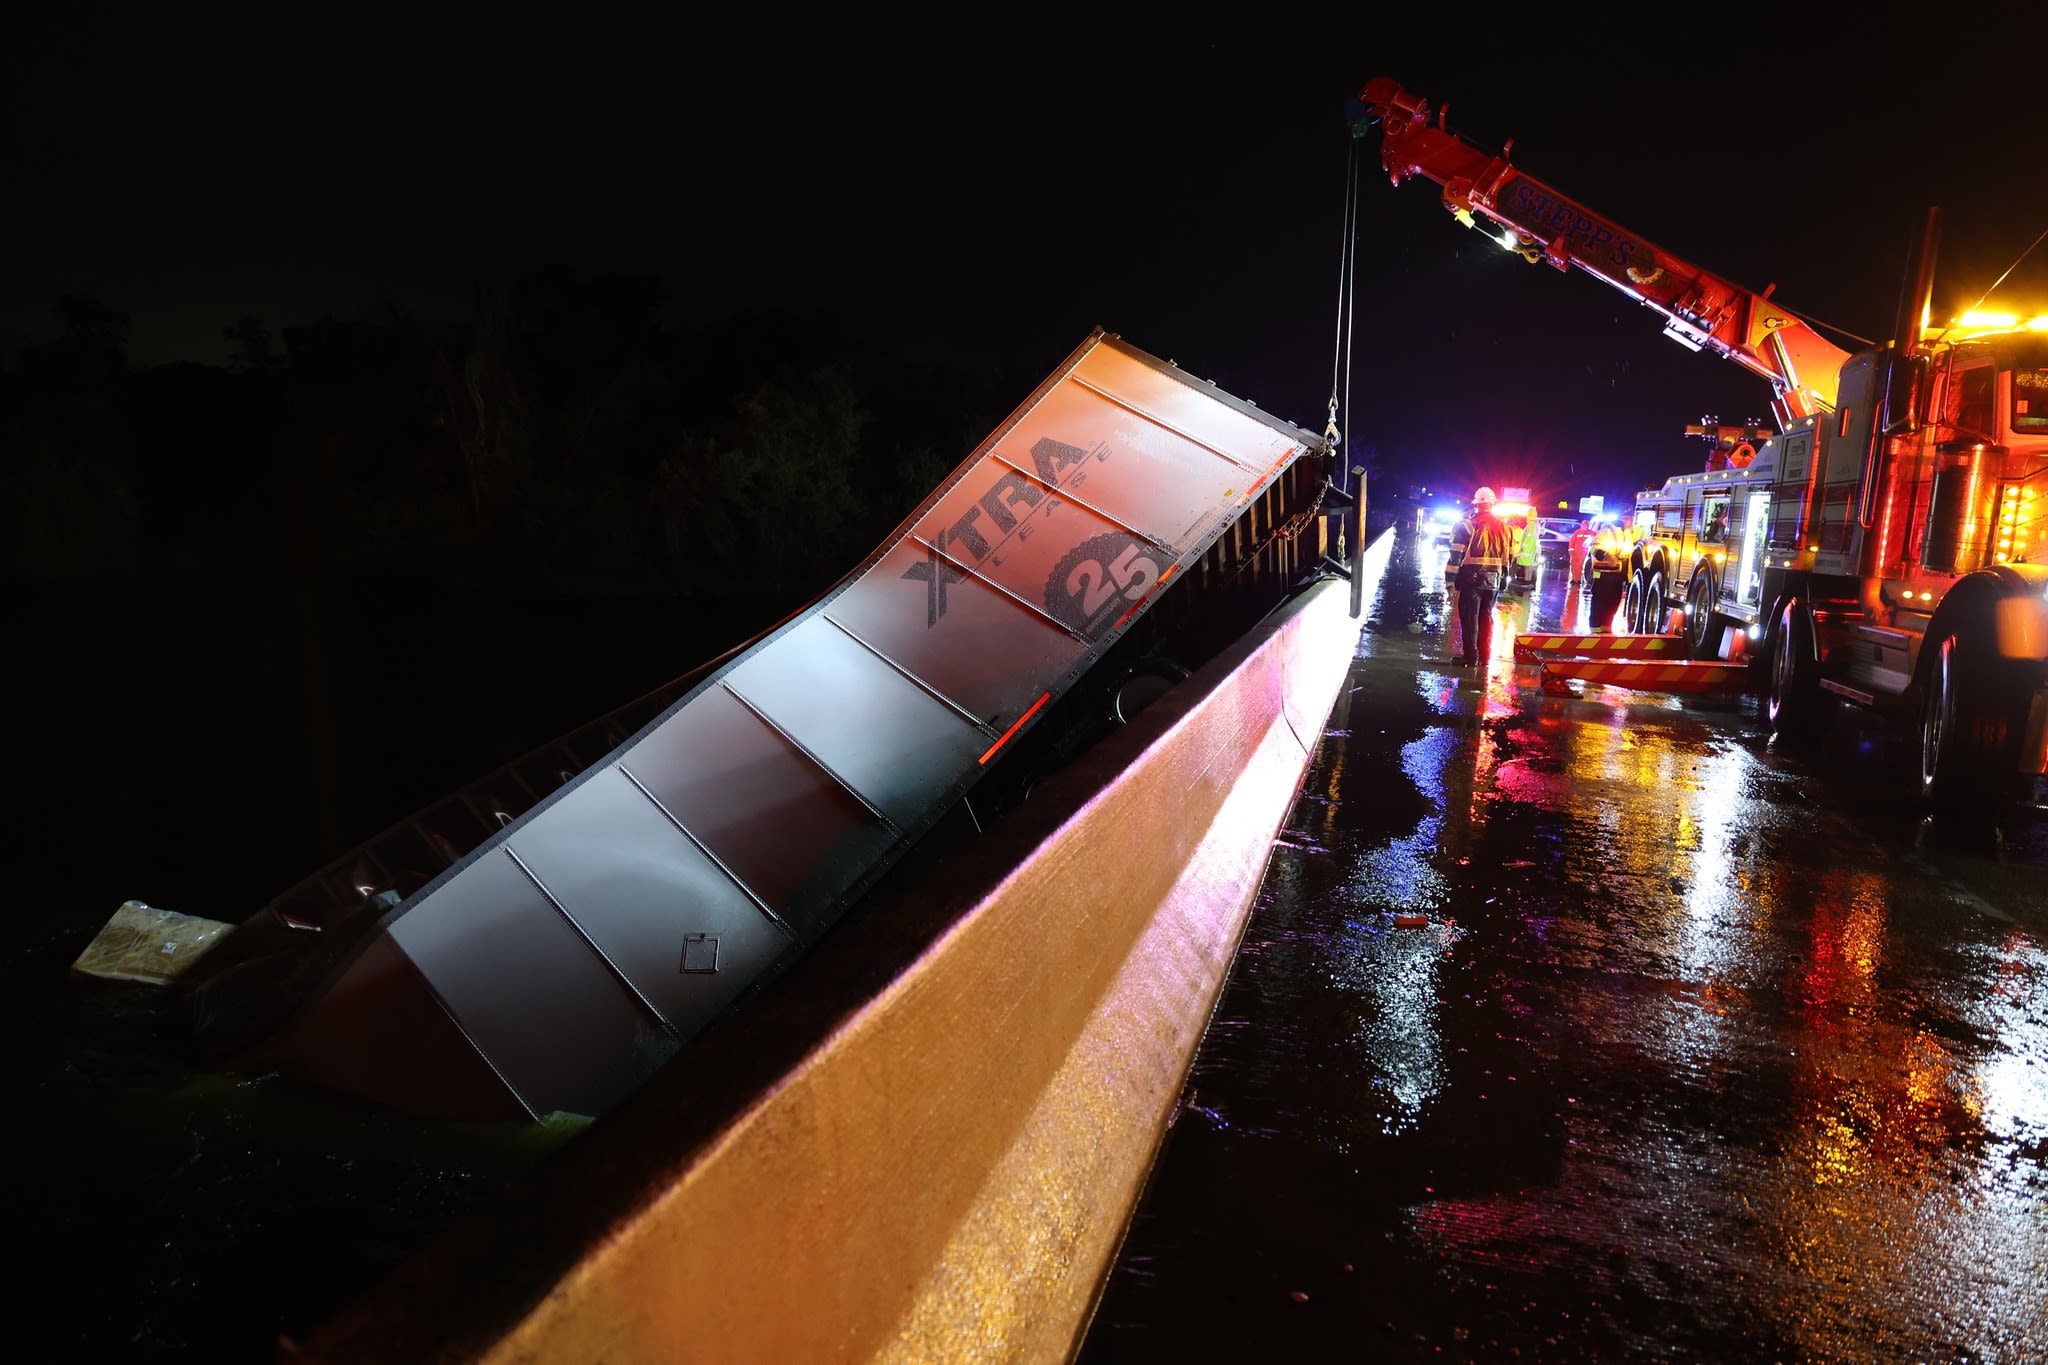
{"x":987,"y":189}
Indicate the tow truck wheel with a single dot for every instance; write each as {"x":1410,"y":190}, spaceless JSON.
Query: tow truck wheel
{"x":1966,"y":730}
{"x":1703,"y":630}
{"x":1792,"y":704}
{"x":1941,"y":758}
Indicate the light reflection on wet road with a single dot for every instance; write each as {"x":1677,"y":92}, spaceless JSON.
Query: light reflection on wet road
{"x":1700,"y":1055}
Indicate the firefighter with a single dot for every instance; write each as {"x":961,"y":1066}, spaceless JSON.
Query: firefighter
{"x":1609,"y":585}
{"x":1479,"y":556}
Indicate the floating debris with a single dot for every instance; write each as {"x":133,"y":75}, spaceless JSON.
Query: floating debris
{"x":144,"y":944}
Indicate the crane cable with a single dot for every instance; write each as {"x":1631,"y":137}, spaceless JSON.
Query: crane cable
{"x":1347,"y":285}
{"x":1993,"y":288}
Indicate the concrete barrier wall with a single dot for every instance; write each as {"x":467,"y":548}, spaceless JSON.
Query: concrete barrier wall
{"x":944,"y":1168}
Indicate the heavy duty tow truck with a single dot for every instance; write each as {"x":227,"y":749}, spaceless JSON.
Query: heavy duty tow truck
{"x":1886,"y":545}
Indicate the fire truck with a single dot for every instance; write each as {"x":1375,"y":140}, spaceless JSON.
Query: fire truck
{"x":1885,"y":544}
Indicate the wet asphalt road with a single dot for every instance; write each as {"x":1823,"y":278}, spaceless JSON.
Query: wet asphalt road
{"x":1705,"y":1053}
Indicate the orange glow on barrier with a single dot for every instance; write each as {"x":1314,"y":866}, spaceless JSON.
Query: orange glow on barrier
{"x":1043,"y":698}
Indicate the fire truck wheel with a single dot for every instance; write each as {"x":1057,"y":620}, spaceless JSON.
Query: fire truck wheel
{"x":1656,"y":613}
{"x":1703,"y":629}
{"x":1632,"y":605}
{"x":1793,"y":702}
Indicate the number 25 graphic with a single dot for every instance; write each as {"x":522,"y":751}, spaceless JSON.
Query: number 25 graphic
{"x":1131,"y":571}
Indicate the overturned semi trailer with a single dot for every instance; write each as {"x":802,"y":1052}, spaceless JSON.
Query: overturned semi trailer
{"x":544,"y":939}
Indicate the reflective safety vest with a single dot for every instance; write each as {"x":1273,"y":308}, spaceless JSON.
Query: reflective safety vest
{"x":1481,"y":542}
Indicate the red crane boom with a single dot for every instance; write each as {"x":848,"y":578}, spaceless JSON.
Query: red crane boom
{"x":1701,"y":310}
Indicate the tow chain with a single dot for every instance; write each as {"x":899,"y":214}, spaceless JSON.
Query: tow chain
{"x":1286,"y":530}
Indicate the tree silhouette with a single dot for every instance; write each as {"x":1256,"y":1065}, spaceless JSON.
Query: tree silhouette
{"x":91,"y":323}
{"x":255,"y":348}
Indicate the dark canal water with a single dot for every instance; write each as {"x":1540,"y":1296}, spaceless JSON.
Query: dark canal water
{"x":1700,"y":1055}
